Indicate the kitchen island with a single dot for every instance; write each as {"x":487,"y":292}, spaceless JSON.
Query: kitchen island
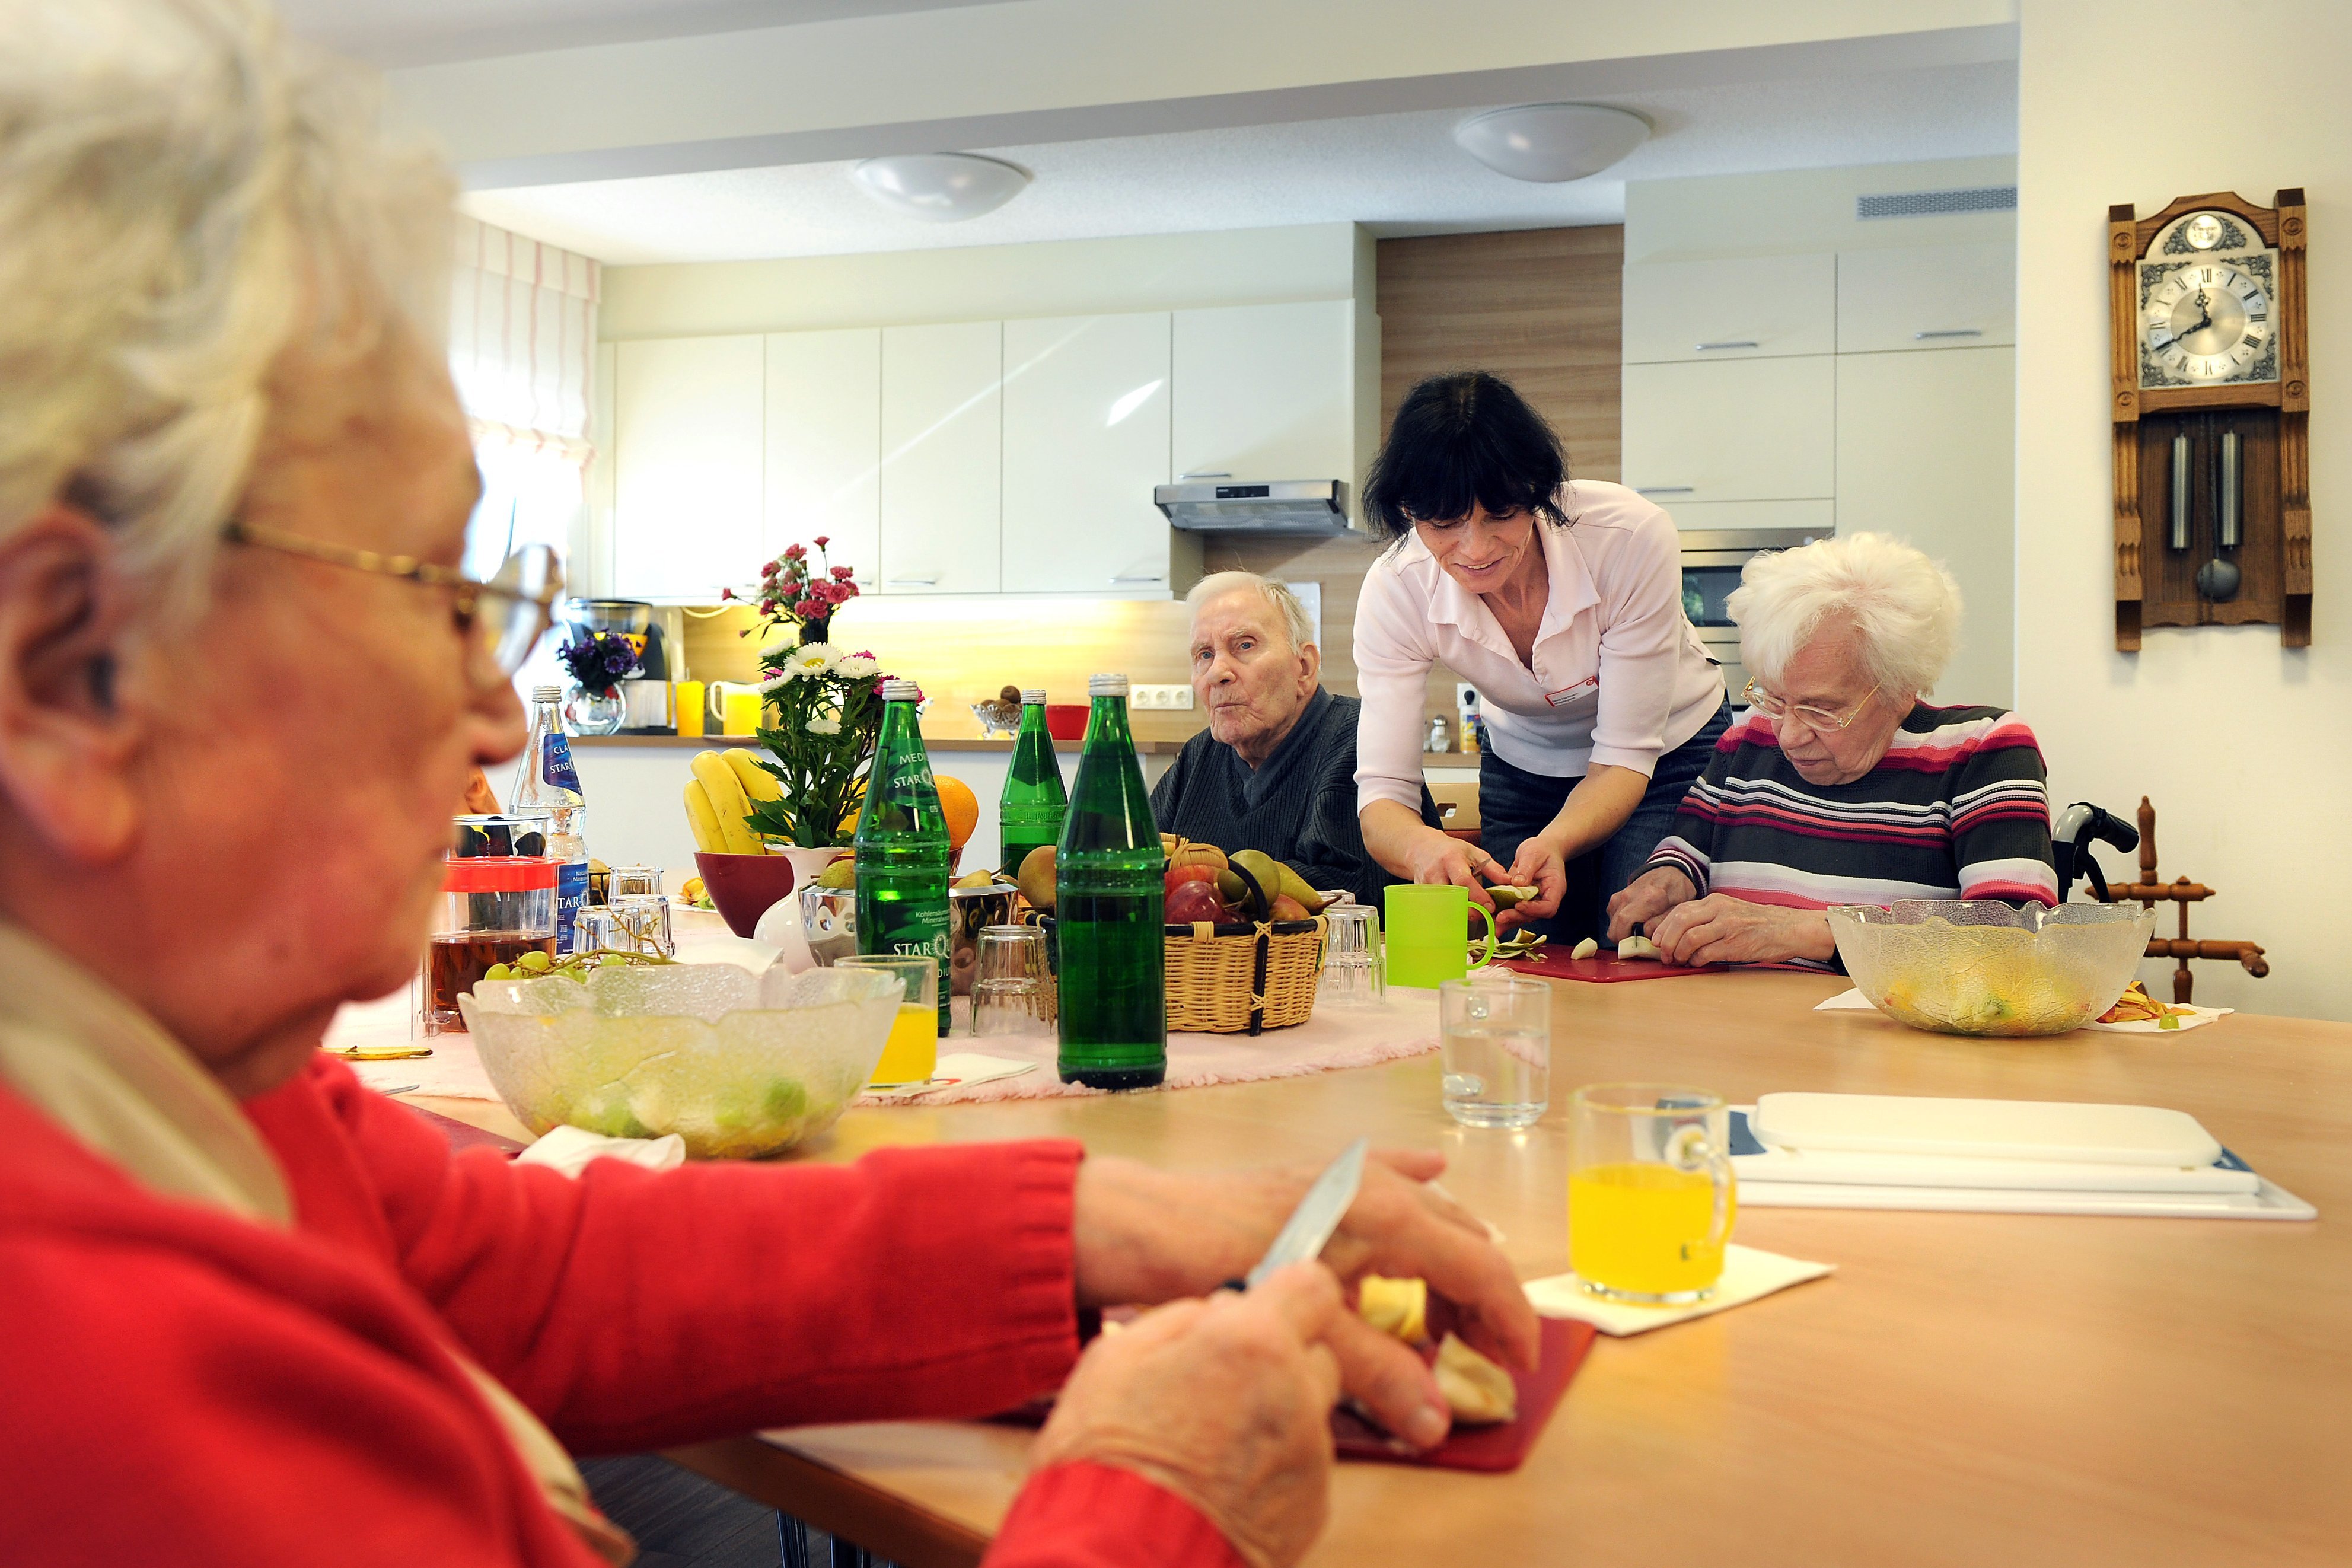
{"x":1966,"y":1389}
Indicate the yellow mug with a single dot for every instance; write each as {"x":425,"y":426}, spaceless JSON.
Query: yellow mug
{"x":1651,"y":1197}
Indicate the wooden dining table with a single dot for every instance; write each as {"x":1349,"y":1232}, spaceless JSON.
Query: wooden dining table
{"x":1965,"y":1389}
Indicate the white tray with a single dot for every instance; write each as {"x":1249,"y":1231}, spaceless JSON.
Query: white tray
{"x":2048,"y":1131}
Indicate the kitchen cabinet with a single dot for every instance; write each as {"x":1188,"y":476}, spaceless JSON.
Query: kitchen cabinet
{"x":1738,"y":307}
{"x":688,"y":516}
{"x":1818,"y":515}
{"x":823,"y":445}
{"x":1085,"y":439}
{"x":1925,"y":453}
{"x":1265,"y":392}
{"x":1940,"y":297}
{"x":942,"y":421}
{"x":1732,"y":430}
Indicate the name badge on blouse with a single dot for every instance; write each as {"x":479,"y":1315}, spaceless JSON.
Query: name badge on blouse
{"x":1568,"y":695}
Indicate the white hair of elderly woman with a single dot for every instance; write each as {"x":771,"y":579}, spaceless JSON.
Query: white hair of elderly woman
{"x":183,"y":194}
{"x":1217,"y":584}
{"x":1903,"y":606}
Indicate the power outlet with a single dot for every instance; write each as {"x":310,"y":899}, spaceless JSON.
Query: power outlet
{"x":1141,"y":696}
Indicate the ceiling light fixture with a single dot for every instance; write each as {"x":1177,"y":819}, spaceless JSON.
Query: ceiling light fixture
{"x":940,"y":187}
{"x":1548,"y":142}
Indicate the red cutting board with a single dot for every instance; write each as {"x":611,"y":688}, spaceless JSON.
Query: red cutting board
{"x":1600,"y":970}
{"x":1489,"y":1448}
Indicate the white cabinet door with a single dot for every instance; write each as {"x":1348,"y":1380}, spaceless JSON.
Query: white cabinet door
{"x":1927,"y":297}
{"x":1085,"y":437}
{"x":688,"y":454}
{"x":824,"y":446}
{"x":1818,"y":517}
{"x":1925,"y":452}
{"x":942,"y":458}
{"x":1265,"y":392}
{"x":1759,"y":430}
{"x":1750,"y":306}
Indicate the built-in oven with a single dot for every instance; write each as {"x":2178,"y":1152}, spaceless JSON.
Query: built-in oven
{"x":1712,"y":562}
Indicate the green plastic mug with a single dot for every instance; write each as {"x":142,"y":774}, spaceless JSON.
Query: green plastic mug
{"x":1427,"y":941}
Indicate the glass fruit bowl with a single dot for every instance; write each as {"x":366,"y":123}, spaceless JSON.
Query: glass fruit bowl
{"x":1960,"y":966}
{"x":738,"y":1065}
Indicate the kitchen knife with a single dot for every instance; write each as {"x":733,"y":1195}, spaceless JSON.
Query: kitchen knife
{"x":1317,"y":1215}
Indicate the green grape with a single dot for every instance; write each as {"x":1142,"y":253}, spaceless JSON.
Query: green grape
{"x":498,"y":972}
{"x":535,"y":960}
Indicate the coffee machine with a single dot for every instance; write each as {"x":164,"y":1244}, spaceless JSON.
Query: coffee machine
{"x":658,"y":634}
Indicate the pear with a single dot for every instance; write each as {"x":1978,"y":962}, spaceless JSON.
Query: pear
{"x":1232,"y":888}
{"x":1036,"y":877}
{"x":1293,"y":885}
{"x":1507,"y":897}
{"x":841,"y":873}
{"x":1264,"y":875}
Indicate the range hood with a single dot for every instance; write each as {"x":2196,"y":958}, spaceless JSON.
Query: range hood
{"x":1289,"y":508}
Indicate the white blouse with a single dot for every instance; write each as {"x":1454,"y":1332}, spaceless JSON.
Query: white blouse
{"x":1618,"y":676}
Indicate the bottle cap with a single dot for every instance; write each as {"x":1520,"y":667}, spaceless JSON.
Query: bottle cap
{"x":902,"y":692}
{"x":547,"y":694}
{"x":1032,"y":696}
{"x":1105,"y":685}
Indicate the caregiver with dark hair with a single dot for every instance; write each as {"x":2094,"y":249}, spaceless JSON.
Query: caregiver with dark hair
{"x":1561,"y":601}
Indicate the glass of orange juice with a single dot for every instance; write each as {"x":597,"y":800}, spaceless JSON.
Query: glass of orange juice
{"x":912,"y":1052}
{"x":1651,"y":1197}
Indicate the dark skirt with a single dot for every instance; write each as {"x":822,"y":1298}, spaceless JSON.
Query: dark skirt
{"x":1513,"y":804}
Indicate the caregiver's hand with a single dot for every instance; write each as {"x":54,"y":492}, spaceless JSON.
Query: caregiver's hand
{"x":1539,"y":864}
{"x":1225,"y":1402}
{"x":1436,"y":859}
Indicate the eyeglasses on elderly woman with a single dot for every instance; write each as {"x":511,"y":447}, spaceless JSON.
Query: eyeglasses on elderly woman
{"x":1772,"y":706}
{"x":502,"y":619}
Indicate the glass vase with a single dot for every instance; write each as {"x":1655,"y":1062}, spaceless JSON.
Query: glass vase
{"x":587,"y":712}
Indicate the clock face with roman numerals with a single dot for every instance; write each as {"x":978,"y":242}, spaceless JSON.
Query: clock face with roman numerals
{"x":2205,"y":307}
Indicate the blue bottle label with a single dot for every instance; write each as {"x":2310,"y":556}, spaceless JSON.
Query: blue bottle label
{"x":571,"y":897}
{"x":556,"y":768}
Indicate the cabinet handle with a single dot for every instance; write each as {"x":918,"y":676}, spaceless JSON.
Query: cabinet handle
{"x":1664,"y":490}
{"x":1948,"y":333}
{"x":1206,"y":474}
{"x":1130,"y":577}
{"x":1727,"y":343}
{"x":914,"y":581}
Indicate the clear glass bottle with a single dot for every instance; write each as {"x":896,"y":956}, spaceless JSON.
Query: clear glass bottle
{"x":1109,"y":909}
{"x":546,"y":783}
{"x":902,"y":844}
{"x":1030,"y":810}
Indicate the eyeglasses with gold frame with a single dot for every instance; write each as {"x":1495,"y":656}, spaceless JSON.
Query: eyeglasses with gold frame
{"x":504,"y":617}
{"x":1764,"y":702}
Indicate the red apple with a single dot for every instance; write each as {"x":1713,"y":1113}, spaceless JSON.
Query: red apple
{"x":1180,"y":875}
{"x":1196,"y":901}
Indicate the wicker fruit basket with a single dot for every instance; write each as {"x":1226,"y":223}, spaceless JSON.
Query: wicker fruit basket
{"x":1243,"y":978}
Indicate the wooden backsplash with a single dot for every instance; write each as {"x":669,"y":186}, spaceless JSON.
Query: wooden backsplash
{"x":1539,"y":307}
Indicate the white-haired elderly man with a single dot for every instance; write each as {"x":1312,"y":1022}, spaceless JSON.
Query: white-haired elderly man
{"x":254,"y":1313}
{"x":1275,"y":769}
{"x":1840,"y":785}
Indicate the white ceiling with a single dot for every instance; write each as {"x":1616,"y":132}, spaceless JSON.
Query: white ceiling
{"x":394,"y":33}
{"x":1399,"y":174}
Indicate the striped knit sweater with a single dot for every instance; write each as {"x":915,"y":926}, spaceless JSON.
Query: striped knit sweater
{"x":1957,"y":809}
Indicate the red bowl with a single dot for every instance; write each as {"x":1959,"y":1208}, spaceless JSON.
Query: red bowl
{"x":1066,"y":721}
{"x":745,"y":887}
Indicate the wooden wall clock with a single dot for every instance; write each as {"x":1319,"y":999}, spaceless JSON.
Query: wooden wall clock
{"x":2212,"y":413}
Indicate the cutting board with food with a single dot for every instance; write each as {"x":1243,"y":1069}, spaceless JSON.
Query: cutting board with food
{"x":1633,"y":959}
{"x":1492,"y":1447}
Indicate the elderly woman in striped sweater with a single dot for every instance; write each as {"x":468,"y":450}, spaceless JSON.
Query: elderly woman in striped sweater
{"x":1840,"y":785}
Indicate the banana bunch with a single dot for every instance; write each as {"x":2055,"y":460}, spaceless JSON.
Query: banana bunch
{"x":719,"y":795}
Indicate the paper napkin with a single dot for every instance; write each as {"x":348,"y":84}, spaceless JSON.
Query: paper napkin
{"x":958,"y":1070}
{"x":568,"y":1150}
{"x":1854,"y":1001}
{"x":1748,"y":1273}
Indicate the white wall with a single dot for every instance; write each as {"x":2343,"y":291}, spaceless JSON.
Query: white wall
{"x":989,"y":282}
{"x":2244,"y":746}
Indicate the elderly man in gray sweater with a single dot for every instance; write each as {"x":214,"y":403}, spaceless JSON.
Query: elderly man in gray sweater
{"x":1275,"y":770}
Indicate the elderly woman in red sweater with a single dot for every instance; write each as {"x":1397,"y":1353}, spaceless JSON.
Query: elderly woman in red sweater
{"x":256,"y":1315}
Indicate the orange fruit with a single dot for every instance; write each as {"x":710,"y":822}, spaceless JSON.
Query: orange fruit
{"x":959,"y":807}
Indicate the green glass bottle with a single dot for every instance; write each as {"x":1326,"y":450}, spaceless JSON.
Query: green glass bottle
{"x":902,"y":844}
{"x":1109,"y":909}
{"x":1029,"y":813}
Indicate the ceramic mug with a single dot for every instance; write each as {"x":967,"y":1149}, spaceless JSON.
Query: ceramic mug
{"x":1426,"y":934}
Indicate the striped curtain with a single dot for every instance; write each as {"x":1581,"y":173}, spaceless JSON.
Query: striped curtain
{"x":523,"y":346}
